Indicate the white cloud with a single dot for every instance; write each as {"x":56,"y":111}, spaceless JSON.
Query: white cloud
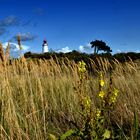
{"x":81,"y":48}
{"x":127,"y":51}
{"x":15,"y":46}
{"x":65,"y":50}
{"x":119,"y":51}
{"x":15,"y":52}
{"x":85,"y":48}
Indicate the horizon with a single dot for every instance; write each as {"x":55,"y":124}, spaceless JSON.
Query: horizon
{"x":72,"y":25}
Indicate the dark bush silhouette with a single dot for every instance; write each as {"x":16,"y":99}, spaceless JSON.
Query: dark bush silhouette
{"x":77,"y":56}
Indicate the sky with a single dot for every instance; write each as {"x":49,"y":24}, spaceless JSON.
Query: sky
{"x":71,"y":24}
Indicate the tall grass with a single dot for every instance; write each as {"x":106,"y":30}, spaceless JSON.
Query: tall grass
{"x":39,"y":97}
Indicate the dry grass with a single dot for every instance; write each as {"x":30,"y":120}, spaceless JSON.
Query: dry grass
{"x":38,"y":98}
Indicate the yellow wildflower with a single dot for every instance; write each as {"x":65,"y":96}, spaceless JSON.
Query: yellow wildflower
{"x":98,"y":113}
{"x":101,"y":75}
{"x":82,"y":69}
{"x":116,"y":91}
{"x":113,"y":99}
{"x":114,"y":96}
{"x":101,"y":94}
{"x":102,"y":82}
{"x":87,"y":101}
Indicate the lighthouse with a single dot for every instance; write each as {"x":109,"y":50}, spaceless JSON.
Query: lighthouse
{"x":45,"y":46}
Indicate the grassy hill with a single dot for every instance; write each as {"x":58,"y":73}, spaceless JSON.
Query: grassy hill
{"x":40,"y":98}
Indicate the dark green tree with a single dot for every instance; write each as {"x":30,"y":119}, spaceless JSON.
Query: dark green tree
{"x":99,"y":45}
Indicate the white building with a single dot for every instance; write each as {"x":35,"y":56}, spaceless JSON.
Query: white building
{"x":45,"y":46}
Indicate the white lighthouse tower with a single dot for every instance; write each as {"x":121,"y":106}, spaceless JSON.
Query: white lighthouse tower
{"x":45,"y":46}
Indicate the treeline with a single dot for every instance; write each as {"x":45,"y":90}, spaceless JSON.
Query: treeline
{"x":77,"y":56}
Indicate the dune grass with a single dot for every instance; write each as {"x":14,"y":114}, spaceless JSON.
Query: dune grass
{"x":38,"y":98}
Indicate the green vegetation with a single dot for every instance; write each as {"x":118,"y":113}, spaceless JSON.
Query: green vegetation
{"x":77,"y":56}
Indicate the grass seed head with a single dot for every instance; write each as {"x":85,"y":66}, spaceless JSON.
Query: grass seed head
{"x":1,"y":52}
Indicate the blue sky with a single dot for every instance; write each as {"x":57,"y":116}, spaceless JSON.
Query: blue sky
{"x":71,"y":24}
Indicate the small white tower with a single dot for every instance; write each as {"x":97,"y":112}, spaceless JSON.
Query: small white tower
{"x":45,"y":46}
